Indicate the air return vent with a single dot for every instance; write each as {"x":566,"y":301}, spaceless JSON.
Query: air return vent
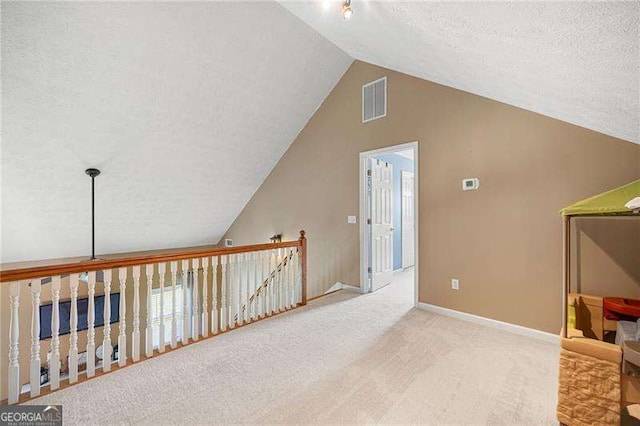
{"x":374,"y":100}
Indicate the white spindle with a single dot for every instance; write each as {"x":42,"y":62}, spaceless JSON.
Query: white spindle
{"x":135,"y":335}
{"x":271,"y":281}
{"x":34,"y":371}
{"x":149,"y":330}
{"x":256,"y":285}
{"x":91,"y":319}
{"x":185,"y":302}
{"x":276,"y":286}
{"x":240,"y":289}
{"x":285,"y":280}
{"x":73,"y":323}
{"x":204,"y":263}
{"x":224,"y":315}
{"x":122,"y":330}
{"x":282,"y":276}
{"x":292,"y":285}
{"x":241,"y":262}
{"x":54,"y":361}
{"x":214,"y":295}
{"x":173,"y":270}
{"x":106,"y":341}
{"x":195,"y":329}
{"x":263,"y":282}
{"x":296,"y":279}
{"x":247,"y":309}
{"x":232,"y":292}
{"x":162,"y":267}
{"x":14,"y":339}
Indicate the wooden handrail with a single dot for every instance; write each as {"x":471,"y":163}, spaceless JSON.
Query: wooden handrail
{"x":20,"y":274}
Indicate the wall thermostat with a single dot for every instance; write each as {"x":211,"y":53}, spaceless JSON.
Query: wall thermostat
{"x":228,"y":242}
{"x":470,"y":184}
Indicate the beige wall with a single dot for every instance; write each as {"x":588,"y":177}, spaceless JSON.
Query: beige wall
{"x":503,"y":241}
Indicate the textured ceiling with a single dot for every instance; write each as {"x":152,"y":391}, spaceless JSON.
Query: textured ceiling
{"x":574,"y":61}
{"x":185,"y":107}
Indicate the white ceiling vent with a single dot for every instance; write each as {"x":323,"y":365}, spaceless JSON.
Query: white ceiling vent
{"x":374,"y":100}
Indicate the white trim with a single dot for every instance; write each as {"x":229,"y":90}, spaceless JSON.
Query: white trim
{"x":374,"y":103}
{"x":406,"y":154}
{"x":505,"y":326}
{"x":365,"y":286}
{"x":403,"y":175}
{"x":351,"y":288}
{"x":340,"y":286}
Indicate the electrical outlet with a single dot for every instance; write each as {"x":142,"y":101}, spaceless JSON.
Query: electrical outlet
{"x":455,"y":284}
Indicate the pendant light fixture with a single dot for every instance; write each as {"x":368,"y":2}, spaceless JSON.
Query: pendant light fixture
{"x":347,"y":12}
{"x":92,"y":174}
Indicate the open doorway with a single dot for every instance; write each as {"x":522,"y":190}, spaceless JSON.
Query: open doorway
{"x":389,"y":209}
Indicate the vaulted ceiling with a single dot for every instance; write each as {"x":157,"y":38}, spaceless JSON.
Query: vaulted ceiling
{"x":185,"y":107}
{"x":575,"y":61}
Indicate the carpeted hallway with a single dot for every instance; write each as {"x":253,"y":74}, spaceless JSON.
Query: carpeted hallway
{"x":345,"y":358}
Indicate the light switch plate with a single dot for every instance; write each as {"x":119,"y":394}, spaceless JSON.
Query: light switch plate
{"x":455,"y":284}
{"x":351,"y":219}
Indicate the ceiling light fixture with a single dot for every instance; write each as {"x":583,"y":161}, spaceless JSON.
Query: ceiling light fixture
{"x":347,"y":13}
{"x":326,"y":4}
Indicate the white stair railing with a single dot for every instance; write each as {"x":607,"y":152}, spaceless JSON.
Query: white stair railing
{"x":194,"y":295}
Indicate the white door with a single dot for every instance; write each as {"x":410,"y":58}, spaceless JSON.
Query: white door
{"x":381,"y":224}
{"x":408,"y":222}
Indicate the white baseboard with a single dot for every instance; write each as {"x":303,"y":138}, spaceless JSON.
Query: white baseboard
{"x":511,"y":328}
{"x":347,"y":287}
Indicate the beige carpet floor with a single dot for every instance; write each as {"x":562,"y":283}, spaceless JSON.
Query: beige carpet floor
{"x":345,"y":358}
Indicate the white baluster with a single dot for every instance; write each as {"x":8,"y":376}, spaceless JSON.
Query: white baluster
{"x":195,"y":329}
{"x":204,"y":263}
{"x":255,"y":284}
{"x":73,"y":323}
{"x":185,"y":302}
{"x":34,"y":372}
{"x":284,"y":274}
{"x":242,"y":262}
{"x":14,"y":339}
{"x":241,"y":275}
{"x":224,"y":315}
{"x":162,"y":267}
{"x":291,"y":299}
{"x":263,"y":274}
{"x":281,"y":275}
{"x":149,"y":330}
{"x":122,"y":332}
{"x":278,"y":281}
{"x":285,"y":280}
{"x":296,"y":280}
{"x":270,"y":281}
{"x":173,"y":269}
{"x":248,"y":304}
{"x":135,"y":335}
{"x":91,"y":319}
{"x":107,"y":349}
{"x":232,"y":291}
{"x":214,"y":295}
{"x":54,"y":361}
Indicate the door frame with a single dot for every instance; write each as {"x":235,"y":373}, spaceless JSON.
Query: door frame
{"x":365,"y":213}
{"x":403,"y":176}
